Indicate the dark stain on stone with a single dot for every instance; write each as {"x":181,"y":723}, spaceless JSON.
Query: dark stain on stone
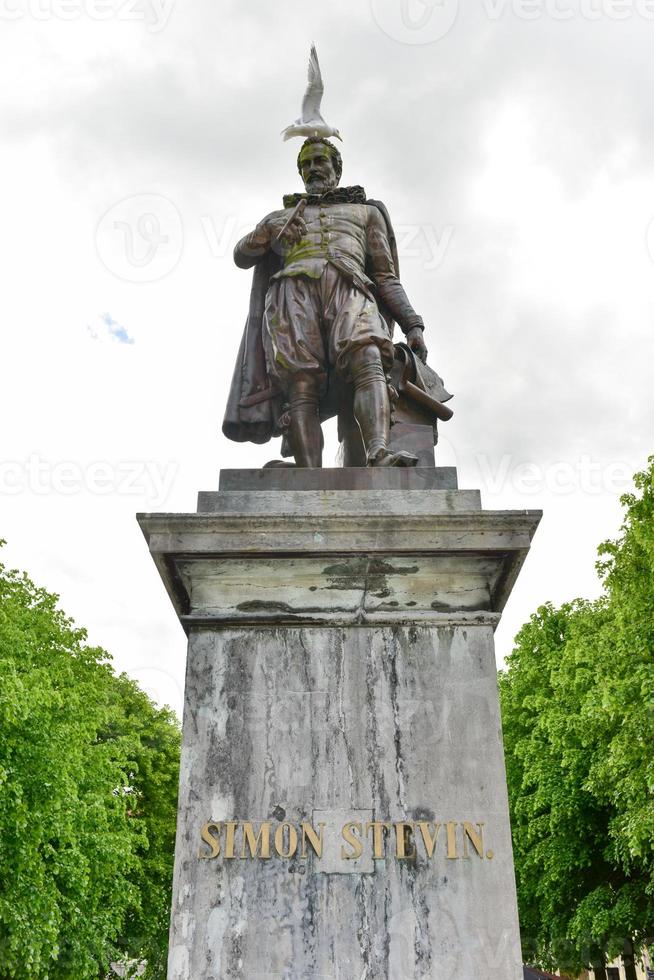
{"x":346,"y":574}
{"x":442,"y":606}
{"x":413,"y":634}
{"x":411,"y":603}
{"x":279,"y":813}
{"x":423,"y":813}
{"x":312,"y":588}
{"x":281,"y":612}
{"x":422,"y":945}
{"x":380,"y":567}
{"x":343,"y":569}
{"x":360,"y":568}
{"x":309,"y":890}
{"x":236,"y":951}
{"x":410,"y":848}
{"x":369,"y":575}
{"x":263,"y":605}
{"x":363,"y":932}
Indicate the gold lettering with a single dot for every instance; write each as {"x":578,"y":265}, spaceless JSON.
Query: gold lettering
{"x":230,"y":829}
{"x":476,"y":839}
{"x":354,"y":842}
{"x":208,"y":838}
{"x":404,"y":836}
{"x":253,"y":842}
{"x":450,"y":827}
{"x":427,"y":839}
{"x":378,"y":827}
{"x":286,"y":852}
{"x":308,"y":838}
{"x":315,"y":839}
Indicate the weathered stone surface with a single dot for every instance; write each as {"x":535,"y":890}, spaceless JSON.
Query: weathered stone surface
{"x":331,"y":861}
{"x":339,"y":502}
{"x":399,"y":722}
{"x":349,"y":589}
{"x":416,"y":439}
{"x":341,"y":478}
{"x":440,"y":533}
{"x":341,"y":669}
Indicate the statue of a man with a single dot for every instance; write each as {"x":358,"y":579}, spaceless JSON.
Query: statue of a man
{"x":324,"y":296}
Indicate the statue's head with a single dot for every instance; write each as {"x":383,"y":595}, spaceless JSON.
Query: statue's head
{"x":320,"y":165}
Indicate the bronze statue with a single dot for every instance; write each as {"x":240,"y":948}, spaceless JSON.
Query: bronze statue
{"x":324,"y":297}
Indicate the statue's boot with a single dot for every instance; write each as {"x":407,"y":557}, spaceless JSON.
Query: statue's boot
{"x":372,"y":409}
{"x":400,"y":458}
{"x":305,"y":433}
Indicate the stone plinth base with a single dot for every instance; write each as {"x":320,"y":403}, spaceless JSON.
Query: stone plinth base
{"x":339,"y":478}
{"x":343,"y":809}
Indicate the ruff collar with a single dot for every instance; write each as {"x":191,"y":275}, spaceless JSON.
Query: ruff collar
{"x":338,"y":195}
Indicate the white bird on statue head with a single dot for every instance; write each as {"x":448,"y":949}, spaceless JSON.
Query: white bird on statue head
{"x":311,"y":123}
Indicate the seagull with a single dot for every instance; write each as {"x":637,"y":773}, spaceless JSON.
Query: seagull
{"x":311,"y":122}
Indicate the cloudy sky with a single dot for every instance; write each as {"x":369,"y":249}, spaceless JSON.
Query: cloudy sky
{"x":513,"y":142}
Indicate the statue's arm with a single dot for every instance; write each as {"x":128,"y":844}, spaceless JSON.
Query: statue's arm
{"x":256,"y":245}
{"x":389,"y":288}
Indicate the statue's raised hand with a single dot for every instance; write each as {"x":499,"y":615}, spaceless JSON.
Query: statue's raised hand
{"x":285,"y":232}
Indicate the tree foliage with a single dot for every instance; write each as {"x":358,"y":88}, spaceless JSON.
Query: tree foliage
{"x":578,"y":715}
{"x":88,"y":785}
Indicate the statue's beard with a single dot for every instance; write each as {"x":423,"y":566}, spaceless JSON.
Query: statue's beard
{"x":316,"y":185}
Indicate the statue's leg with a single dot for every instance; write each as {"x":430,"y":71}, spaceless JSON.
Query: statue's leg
{"x":361,"y":349}
{"x":372,"y":408}
{"x":305,"y":432}
{"x":296,"y":359}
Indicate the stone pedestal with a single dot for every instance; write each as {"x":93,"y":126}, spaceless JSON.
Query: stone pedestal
{"x":343,"y":809}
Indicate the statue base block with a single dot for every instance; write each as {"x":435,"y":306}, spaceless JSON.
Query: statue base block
{"x":343,"y":809}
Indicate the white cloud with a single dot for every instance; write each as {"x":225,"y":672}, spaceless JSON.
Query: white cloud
{"x":530,"y":140}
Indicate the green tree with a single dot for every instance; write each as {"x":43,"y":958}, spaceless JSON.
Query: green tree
{"x":578,"y":714}
{"x":153,"y":778}
{"x":88,"y":781}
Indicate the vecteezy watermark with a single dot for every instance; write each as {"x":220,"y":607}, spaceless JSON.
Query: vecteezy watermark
{"x":570,"y":9}
{"x":316,"y":711}
{"x":582,"y":475}
{"x":140,"y":239}
{"x":423,"y":242}
{"x":221,"y":236}
{"x":415,"y":21}
{"x":148,"y":479}
{"x":426,"y":21}
{"x":155,"y":13}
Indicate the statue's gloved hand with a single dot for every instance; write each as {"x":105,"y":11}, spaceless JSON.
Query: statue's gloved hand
{"x":416,"y":341}
{"x":291,"y":235}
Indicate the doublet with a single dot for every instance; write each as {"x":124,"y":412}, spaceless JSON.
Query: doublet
{"x":337,"y":234}
{"x":324,"y":302}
